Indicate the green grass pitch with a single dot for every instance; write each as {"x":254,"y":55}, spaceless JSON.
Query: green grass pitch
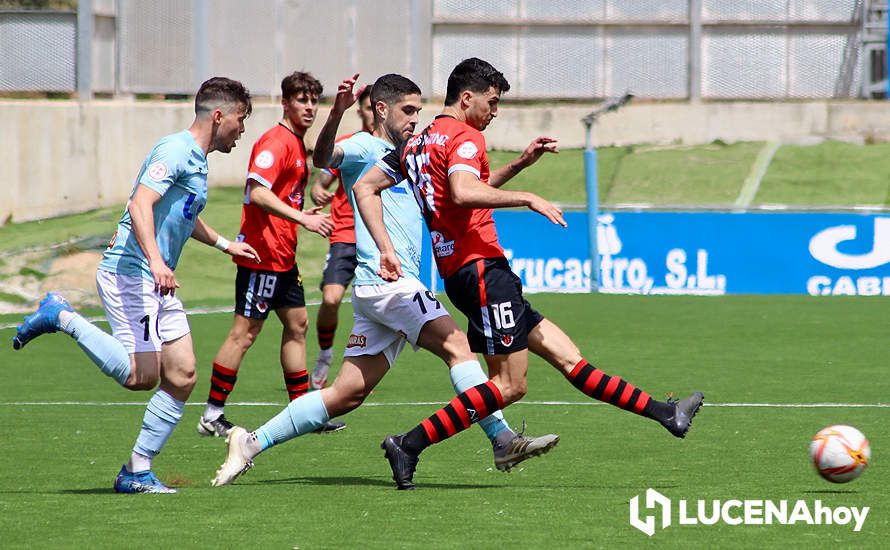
{"x":66,"y":429}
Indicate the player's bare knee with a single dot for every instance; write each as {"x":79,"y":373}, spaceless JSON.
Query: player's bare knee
{"x":513,"y":391}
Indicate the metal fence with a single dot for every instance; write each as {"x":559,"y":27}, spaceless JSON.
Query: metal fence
{"x":671,"y":49}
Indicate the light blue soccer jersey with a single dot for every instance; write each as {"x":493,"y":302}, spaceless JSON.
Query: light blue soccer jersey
{"x":401,"y":215}
{"x":177,"y":169}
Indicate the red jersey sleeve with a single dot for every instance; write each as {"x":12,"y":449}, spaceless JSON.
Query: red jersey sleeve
{"x":466,"y":152}
{"x":267,"y":161}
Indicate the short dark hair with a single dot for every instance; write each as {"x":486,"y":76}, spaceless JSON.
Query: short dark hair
{"x":475,"y":75}
{"x":299,"y":82}
{"x":390,"y":88}
{"x":366,"y":93}
{"x":219,"y":91}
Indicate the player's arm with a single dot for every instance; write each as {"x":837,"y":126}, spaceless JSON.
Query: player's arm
{"x":321,"y":188}
{"x":143,"y":221}
{"x":326,"y":154}
{"x":468,"y":191}
{"x":367,"y":192}
{"x":312,"y":219}
{"x":532,"y":153}
{"x":209,"y":236}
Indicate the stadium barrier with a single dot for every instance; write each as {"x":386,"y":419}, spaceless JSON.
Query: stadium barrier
{"x":705,"y":253}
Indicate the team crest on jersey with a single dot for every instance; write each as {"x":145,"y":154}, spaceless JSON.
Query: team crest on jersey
{"x":264,"y":159}
{"x":442,"y":247}
{"x":506,"y":339}
{"x":467,"y":150}
{"x":356,"y":341}
{"x":299,"y":163}
{"x":157,"y":171}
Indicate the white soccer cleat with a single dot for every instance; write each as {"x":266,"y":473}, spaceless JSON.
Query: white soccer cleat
{"x":319,"y":378}
{"x":520,"y":448}
{"x":238,"y":459}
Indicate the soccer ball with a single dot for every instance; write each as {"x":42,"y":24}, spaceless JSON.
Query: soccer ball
{"x":840,"y":453}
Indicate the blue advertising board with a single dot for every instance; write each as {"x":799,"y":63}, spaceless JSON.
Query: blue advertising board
{"x":701,"y":253}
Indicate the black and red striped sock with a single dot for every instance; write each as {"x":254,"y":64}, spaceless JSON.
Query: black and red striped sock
{"x":326,"y":335}
{"x":467,"y":408}
{"x":297,"y":383}
{"x":613,"y":390}
{"x":222,"y":381}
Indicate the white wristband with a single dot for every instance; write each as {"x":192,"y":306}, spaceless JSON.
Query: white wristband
{"x":222,"y":243}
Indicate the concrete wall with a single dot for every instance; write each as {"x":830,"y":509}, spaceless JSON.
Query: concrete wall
{"x":59,"y":157}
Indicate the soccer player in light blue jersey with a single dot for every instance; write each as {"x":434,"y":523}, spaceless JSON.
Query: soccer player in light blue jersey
{"x":136,"y":282}
{"x":386,"y":314}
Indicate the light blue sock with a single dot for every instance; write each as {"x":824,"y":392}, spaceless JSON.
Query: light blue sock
{"x":104,"y":349}
{"x":468,"y":374}
{"x":304,"y":414}
{"x":161,"y":415}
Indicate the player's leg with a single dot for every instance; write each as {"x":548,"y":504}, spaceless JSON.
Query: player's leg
{"x":552,"y":344}
{"x":171,"y":334}
{"x":252,"y":291}
{"x":363,"y":367}
{"x":326,"y":329}
{"x":122,"y":299}
{"x":290,"y":306}
{"x":242,"y":334}
{"x":473,"y":404}
{"x":442,"y":337}
{"x":338,"y":271}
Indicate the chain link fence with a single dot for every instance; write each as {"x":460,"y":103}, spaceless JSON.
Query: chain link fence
{"x":559,"y":49}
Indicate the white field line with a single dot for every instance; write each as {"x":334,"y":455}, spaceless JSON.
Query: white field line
{"x":441,"y":403}
{"x":190,"y":312}
{"x":758,"y":170}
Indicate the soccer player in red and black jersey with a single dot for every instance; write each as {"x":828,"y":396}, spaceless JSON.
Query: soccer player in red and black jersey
{"x":273,"y":209}
{"x":447,"y":165}
{"x":340,"y":263}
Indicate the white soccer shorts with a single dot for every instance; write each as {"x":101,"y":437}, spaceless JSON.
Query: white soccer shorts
{"x":385,"y":316}
{"x":140,"y":318}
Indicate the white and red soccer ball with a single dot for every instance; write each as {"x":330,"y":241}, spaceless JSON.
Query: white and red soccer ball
{"x":840,"y":453}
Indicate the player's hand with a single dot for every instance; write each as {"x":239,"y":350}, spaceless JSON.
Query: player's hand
{"x":347,"y":95}
{"x":165,"y":281}
{"x":243,"y":250}
{"x":538,"y":146}
{"x":390,"y":266}
{"x":320,"y":196}
{"x":547,"y":209}
{"x":317,"y":222}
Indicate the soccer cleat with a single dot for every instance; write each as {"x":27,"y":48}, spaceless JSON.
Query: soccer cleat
{"x":402,"y":462}
{"x":331,"y":426}
{"x":42,"y":321}
{"x":520,"y":448}
{"x":237,"y":461}
{"x":319,"y":378}
{"x":218,"y":427}
{"x":684,"y":411}
{"x":139,"y":482}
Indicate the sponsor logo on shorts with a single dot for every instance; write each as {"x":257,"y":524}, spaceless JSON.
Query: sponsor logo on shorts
{"x":357,"y":341}
{"x":262,"y":307}
{"x":264,"y":159}
{"x":441,"y":246}
{"x":506,"y":340}
{"x":157,"y":171}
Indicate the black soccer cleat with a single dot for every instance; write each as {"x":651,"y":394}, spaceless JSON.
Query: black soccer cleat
{"x":402,"y":462}
{"x":680,"y":422}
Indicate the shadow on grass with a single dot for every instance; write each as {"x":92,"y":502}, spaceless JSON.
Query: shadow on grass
{"x":365,"y":481}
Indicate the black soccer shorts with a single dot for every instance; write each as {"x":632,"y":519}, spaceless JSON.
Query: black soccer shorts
{"x":490,"y":295}
{"x":339,"y":265}
{"x":257,"y":292}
